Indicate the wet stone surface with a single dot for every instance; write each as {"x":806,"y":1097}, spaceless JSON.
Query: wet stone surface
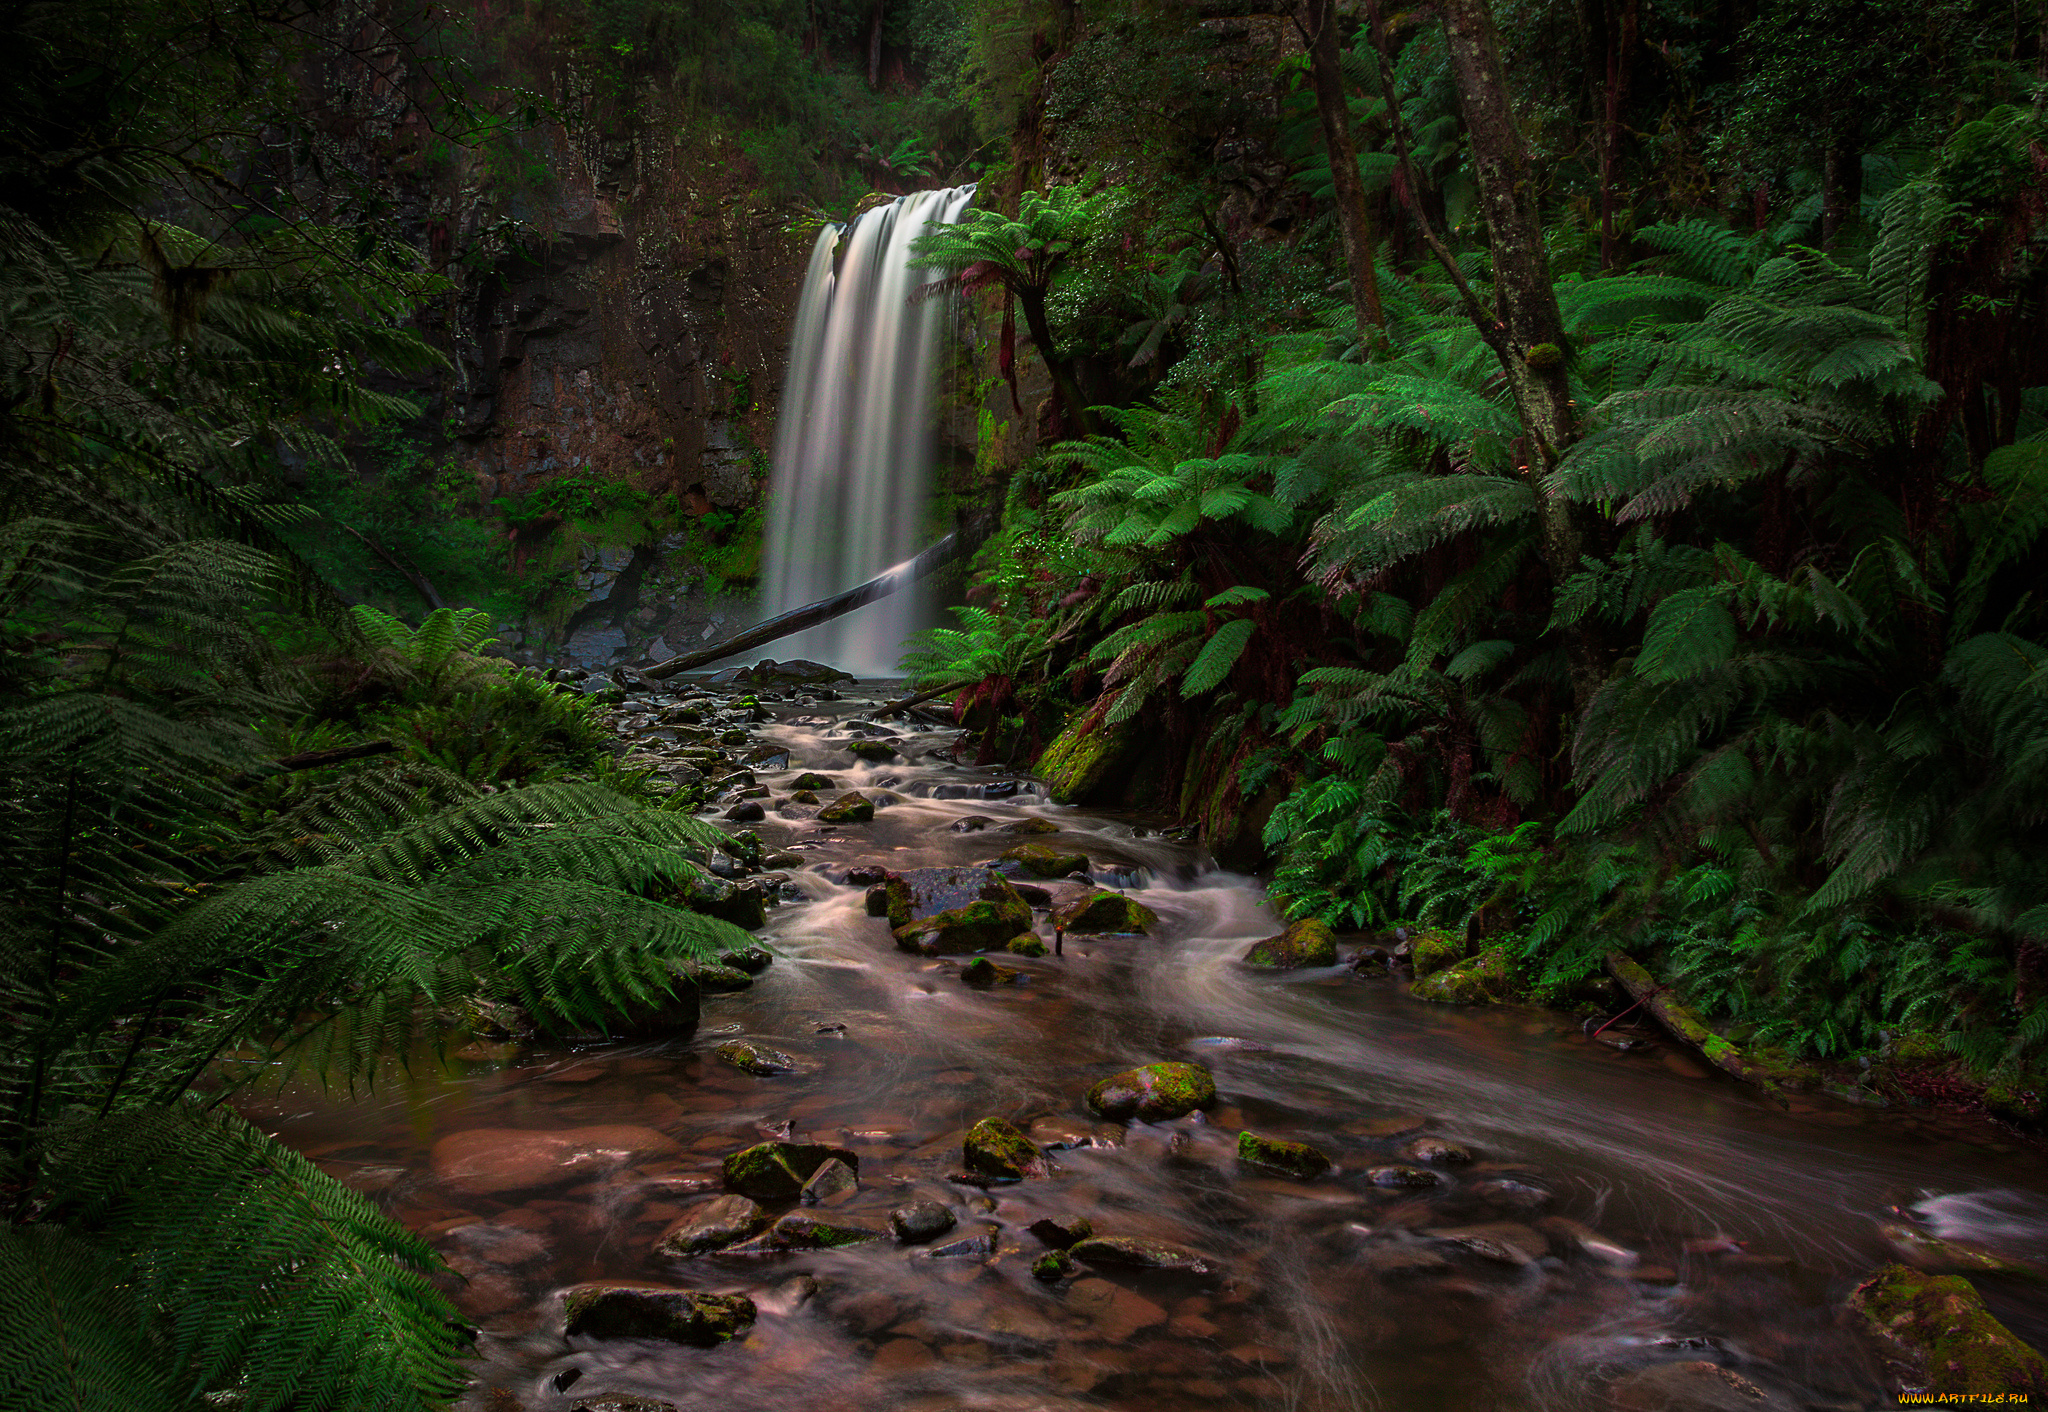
{"x":1514,"y":1217}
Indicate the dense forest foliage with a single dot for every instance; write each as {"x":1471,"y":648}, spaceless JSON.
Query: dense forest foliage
{"x":1571,"y":471}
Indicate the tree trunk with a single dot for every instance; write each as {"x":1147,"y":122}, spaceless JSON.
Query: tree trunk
{"x":1841,"y":183}
{"x":1621,"y":46}
{"x":1528,"y":335}
{"x":1318,"y":24}
{"x":1032,"y":302}
{"x":875,"y":48}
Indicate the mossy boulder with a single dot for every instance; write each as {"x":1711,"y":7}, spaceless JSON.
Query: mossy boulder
{"x":807,"y":1230}
{"x":853,"y":807}
{"x":1026,"y":944}
{"x":1080,"y":759}
{"x":700,"y":890}
{"x":1294,"y":1159}
{"x":1486,"y":979}
{"x":1042,"y":860}
{"x":996,"y":1148}
{"x":872,"y":750}
{"x":655,"y":1311}
{"x":1152,"y":1092}
{"x":1936,"y":1335}
{"x":953,"y":911}
{"x":777,"y":1171}
{"x":810,"y":779}
{"x":752,"y":1058}
{"x":712,"y":1225}
{"x":1434,"y":950}
{"x":721,"y":980}
{"x":1104,"y":913}
{"x":1308,"y":942}
{"x":1054,"y":1265}
{"x":1029,"y":826}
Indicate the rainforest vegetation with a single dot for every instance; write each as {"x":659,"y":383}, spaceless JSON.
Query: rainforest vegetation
{"x":1573,"y":472}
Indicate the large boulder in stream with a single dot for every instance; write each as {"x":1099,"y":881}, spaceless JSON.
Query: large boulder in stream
{"x":655,"y":1311}
{"x":996,"y":1148}
{"x":1935,"y":1334}
{"x":777,"y":1171}
{"x":1152,"y":1092}
{"x":1103,"y":913}
{"x":1486,"y":979}
{"x":1308,"y":942}
{"x":1042,"y":860}
{"x":953,"y":911}
{"x":493,"y":1161}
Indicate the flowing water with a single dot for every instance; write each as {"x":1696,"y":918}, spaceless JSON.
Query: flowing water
{"x":1748,"y":1224}
{"x":853,"y":447}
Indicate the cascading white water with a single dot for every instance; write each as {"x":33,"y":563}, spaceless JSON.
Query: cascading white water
{"x":853,"y":446}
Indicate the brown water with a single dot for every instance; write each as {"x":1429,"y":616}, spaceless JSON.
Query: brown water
{"x":1335,"y":1297}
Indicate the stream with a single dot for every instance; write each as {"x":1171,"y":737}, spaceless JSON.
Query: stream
{"x":1748,"y":1224}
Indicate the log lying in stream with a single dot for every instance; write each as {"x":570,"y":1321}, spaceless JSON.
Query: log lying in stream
{"x":1684,"y":1023}
{"x":952,"y":547}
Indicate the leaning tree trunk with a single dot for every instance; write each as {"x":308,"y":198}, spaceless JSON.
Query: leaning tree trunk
{"x":1318,"y":24}
{"x":1032,"y":301}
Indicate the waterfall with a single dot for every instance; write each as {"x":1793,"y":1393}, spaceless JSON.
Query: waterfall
{"x":853,"y":443}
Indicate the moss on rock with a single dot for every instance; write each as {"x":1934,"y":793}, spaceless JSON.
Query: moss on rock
{"x":975,"y":927}
{"x":754,"y":1058}
{"x":1079,"y":759}
{"x":653,"y":1311}
{"x":1294,"y":1159}
{"x":1936,"y":1335}
{"x":1434,"y":950}
{"x":777,"y":1171}
{"x":1151,"y":1092}
{"x":1308,"y":942}
{"x":996,"y":1148}
{"x":1106,"y":913}
{"x":853,"y":807}
{"x":1486,"y":979}
{"x":1042,"y":860}
{"x":1026,"y":944}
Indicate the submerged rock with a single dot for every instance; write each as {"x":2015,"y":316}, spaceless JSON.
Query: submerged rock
{"x":1135,"y":1253}
{"x":1934,"y":1255}
{"x":754,"y":1058}
{"x":994,"y":1147}
{"x":853,"y":807}
{"x":1433,"y":1150}
{"x":1935,"y":1334}
{"x":1044,"y":861}
{"x":920,"y":1220}
{"x":1568,"y":1239}
{"x":1151,"y":1092}
{"x":713,"y":1225}
{"x":1691,"y":1386}
{"x":1031,"y":826}
{"x":970,"y":823}
{"x":1397,"y":1174}
{"x":1308,"y":942}
{"x":655,"y":1311}
{"x":488,"y":1161}
{"x":777,"y":1171}
{"x":1486,"y":979}
{"x":1104,"y":913}
{"x":1294,"y":1159}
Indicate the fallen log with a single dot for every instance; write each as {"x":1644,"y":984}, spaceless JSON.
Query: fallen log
{"x":952,"y":547}
{"x":907,"y":703}
{"x":1684,"y":1023}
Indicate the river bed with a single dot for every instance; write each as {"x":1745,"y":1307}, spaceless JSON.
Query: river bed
{"x":1747,"y":1224}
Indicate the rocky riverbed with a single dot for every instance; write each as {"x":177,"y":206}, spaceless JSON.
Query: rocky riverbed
{"x":1011,"y":1121}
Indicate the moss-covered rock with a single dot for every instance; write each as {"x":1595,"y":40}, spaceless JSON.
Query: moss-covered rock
{"x":853,"y":807}
{"x":1308,"y":942}
{"x":1935,"y":1334}
{"x":700,"y":890}
{"x":655,"y":1311}
{"x":1434,"y":950}
{"x":1932,"y":1255}
{"x":1030,"y":826}
{"x":1079,"y":759}
{"x":1026,"y":944}
{"x":1152,"y":1092}
{"x":1397,"y":1174}
{"x":1061,"y":1232}
{"x":777,"y":1171}
{"x":996,"y":1148}
{"x":975,"y":927}
{"x":1105,"y":913}
{"x":751,"y":959}
{"x":872,"y":750}
{"x":810,"y":779}
{"x":712,"y":1225}
{"x":1042,"y":860}
{"x":1054,"y":1265}
{"x":720,"y":980}
{"x":1294,"y":1159}
{"x":1134,"y":1253}
{"x":804,"y":796}
{"x":807,"y":1230}
{"x":1486,"y":979}
{"x":916,"y":893}
{"x":983,"y":972}
{"x":752,"y":1058}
